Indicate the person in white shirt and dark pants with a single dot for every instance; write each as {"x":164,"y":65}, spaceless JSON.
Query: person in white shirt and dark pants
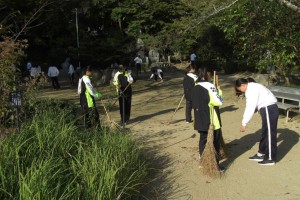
{"x":53,"y":73}
{"x":260,"y":98}
{"x":71,"y":73}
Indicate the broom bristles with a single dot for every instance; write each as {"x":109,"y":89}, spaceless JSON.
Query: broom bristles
{"x":208,"y":159}
{"x":223,"y":149}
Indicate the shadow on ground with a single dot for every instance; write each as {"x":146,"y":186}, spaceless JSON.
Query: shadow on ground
{"x":286,"y":140}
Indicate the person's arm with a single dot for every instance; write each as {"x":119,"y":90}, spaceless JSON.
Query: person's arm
{"x":129,"y":78}
{"x":115,"y":80}
{"x":251,"y":103}
{"x":90,"y":87}
{"x":79,"y":86}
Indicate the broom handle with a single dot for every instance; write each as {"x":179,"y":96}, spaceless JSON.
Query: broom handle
{"x":214,"y":82}
{"x":179,"y":103}
{"x":122,"y":92}
{"x":105,"y":110}
{"x":212,"y":109}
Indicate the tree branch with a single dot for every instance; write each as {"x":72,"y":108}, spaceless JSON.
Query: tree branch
{"x":289,"y":5}
{"x":216,"y":11}
{"x":33,"y":18}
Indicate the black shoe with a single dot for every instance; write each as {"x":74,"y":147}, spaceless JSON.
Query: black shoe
{"x":256,"y":158}
{"x":267,"y":162}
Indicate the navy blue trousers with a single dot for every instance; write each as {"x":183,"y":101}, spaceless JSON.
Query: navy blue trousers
{"x":268,"y":142}
{"x":188,"y":111}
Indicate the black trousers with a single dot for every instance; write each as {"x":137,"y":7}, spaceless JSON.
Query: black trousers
{"x":188,"y":111}
{"x":268,"y":142}
{"x":217,"y":142}
{"x":55,"y":83}
{"x":72,"y":79}
{"x":125,"y":110}
{"x":91,"y":117}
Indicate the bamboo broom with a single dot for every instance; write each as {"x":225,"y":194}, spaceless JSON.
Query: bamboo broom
{"x":208,"y":159}
{"x":112,"y":124}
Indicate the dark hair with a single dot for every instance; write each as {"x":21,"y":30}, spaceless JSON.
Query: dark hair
{"x":87,"y":69}
{"x":202,"y":73}
{"x":240,"y":81}
{"x":189,"y":68}
{"x":122,"y":68}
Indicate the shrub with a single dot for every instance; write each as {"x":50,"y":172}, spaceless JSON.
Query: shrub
{"x":52,"y":159}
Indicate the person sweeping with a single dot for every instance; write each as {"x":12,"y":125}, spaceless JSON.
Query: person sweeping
{"x":123,"y":81}
{"x":87,"y":96}
{"x":206,"y":99}
{"x":258,"y":96}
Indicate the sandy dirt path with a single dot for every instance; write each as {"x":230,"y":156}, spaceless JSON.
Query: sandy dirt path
{"x":174,"y":147}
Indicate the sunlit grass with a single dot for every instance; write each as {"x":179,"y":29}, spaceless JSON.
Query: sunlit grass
{"x":52,"y":159}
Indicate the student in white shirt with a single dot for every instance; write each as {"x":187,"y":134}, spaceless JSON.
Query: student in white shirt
{"x":71,"y":73}
{"x":156,"y":72}
{"x":260,"y":98}
{"x":193,"y":58}
{"x":138,"y":64}
{"x":53,"y":73}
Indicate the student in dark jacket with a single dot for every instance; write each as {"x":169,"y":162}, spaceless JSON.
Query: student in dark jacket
{"x":206,"y":99}
{"x":123,"y":81}
{"x":188,"y":84}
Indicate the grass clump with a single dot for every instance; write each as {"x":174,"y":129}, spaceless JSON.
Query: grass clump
{"x":52,"y":159}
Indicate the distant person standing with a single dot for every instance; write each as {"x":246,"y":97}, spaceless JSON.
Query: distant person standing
{"x":71,"y":73}
{"x":28,"y":68}
{"x":53,"y":73}
{"x":188,"y":84}
{"x":138,"y":64}
{"x":260,"y":97}
{"x":193,"y":58}
{"x":33,"y":71}
{"x":38,"y":69}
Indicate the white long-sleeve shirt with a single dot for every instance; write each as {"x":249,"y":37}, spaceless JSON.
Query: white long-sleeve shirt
{"x":138,"y":60}
{"x":88,"y":84}
{"x":53,"y":71}
{"x":193,"y":76}
{"x":71,"y":69}
{"x":257,"y":96}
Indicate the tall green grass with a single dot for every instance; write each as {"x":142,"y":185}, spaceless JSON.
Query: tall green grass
{"x":52,"y":159}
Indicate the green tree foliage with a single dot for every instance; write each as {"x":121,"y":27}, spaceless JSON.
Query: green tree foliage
{"x":241,"y":31}
{"x":263,"y":33}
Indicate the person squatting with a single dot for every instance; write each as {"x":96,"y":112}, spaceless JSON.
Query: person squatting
{"x":156,"y":72}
